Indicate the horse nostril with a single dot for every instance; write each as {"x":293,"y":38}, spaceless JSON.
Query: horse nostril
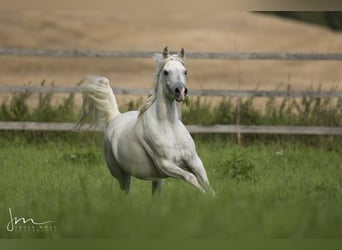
{"x":180,"y":90}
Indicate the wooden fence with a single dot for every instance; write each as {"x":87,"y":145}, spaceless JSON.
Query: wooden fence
{"x":192,"y":92}
{"x":149,"y":54}
{"x":195,"y":129}
{"x":303,"y":130}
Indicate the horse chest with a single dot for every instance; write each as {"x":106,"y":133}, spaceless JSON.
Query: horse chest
{"x":169,"y":145}
{"x":166,"y":140}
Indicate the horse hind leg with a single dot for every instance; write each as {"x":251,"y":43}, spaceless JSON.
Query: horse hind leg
{"x":125,"y":183}
{"x":157,"y":186}
{"x":122,"y":177}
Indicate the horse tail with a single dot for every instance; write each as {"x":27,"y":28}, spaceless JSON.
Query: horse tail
{"x":99,"y":103}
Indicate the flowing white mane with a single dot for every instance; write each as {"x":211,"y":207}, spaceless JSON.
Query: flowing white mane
{"x":160,"y":63}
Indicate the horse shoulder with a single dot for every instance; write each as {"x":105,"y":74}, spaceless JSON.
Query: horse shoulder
{"x":185,"y":136}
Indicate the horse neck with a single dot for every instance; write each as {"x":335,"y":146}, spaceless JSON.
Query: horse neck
{"x":166,"y":110}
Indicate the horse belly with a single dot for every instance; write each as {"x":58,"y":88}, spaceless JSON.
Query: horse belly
{"x":136,"y":162}
{"x":128,"y":152}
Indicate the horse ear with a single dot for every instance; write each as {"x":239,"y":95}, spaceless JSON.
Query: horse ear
{"x":182,"y":53}
{"x":165,"y":52}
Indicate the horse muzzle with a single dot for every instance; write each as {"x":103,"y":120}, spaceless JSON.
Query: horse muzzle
{"x":180,"y":92}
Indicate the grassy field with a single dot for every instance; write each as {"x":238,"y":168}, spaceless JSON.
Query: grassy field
{"x":276,"y":190}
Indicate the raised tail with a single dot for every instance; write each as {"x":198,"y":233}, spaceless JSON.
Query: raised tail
{"x":99,"y":103}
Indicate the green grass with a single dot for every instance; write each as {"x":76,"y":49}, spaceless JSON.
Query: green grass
{"x":276,"y":186}
{"x":275,"y":190}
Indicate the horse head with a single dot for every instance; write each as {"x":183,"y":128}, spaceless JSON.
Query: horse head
{"x":173,"y":75}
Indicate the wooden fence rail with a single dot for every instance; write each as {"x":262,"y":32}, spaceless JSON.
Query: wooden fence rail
{"x":196,"y":129}
{"x":149,"y":54}
{"x":192,"y":92}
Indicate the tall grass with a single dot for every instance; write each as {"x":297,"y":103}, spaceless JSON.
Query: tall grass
{"x":279,"y":190}
{"x":305,"y":111}
{"x":19,"y":109}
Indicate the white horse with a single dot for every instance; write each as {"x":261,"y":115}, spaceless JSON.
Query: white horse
{"x":152,"y":143}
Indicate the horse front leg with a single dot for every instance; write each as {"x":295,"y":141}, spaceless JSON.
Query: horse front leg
{"x":171,"y":169}
{"x":196,"y":167}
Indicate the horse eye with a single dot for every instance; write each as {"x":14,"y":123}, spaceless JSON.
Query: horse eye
{"x":185,"y":72}
{"x":165,"y":72}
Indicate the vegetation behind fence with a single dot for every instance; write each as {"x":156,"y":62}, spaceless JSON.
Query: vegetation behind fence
{"x":288,"y":115}
{"x":313,"y":108}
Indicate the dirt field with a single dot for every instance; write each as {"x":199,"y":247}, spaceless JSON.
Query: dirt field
{"x":204,"y":28}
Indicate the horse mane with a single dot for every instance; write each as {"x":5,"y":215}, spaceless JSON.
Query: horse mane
{"x":160,"y":63}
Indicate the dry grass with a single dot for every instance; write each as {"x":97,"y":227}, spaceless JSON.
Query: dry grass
{"x":205,"y":28}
